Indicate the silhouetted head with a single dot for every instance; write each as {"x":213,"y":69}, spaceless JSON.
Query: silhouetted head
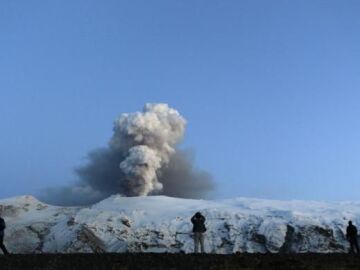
{"x":350,"y":222}
{"x":197,"y":214}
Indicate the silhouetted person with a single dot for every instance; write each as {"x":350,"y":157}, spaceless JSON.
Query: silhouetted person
{"x":351,"y":235}
{"x":2,"y":229}
{"x":198,"y":221}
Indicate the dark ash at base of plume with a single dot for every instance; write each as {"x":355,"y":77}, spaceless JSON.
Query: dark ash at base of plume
{"x":101,"y":177}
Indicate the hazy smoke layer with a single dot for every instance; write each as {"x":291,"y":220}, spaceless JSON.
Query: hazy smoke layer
{"x":140,"y":160}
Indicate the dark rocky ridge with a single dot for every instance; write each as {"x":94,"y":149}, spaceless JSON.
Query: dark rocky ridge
{"x":151,"y":261}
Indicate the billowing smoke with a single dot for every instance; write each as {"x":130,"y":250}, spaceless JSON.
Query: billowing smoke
{"x":141,"y":159}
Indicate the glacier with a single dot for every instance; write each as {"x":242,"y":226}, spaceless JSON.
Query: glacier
{"x":162,"y":224}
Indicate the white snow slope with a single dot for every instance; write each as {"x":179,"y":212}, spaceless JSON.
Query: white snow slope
{"x":162,"y":224}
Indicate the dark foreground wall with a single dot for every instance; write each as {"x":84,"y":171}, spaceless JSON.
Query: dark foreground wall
{"x":179,"y":261}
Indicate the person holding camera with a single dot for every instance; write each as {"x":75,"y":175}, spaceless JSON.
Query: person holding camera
{"x":199,"y":229}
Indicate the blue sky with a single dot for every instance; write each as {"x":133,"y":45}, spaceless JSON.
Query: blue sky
{"x":270,"y":89}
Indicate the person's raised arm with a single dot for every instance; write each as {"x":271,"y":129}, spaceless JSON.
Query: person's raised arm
{"x":203,"y":219}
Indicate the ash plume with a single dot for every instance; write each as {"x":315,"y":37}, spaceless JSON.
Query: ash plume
{"x":141,"y":159}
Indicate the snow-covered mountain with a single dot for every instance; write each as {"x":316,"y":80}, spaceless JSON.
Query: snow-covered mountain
{"x":162,"y":224}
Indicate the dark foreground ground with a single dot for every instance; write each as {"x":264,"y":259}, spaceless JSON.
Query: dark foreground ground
{"x":179,"y":261}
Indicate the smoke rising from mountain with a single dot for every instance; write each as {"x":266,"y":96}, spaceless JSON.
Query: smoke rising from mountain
{"x":141,"y":159}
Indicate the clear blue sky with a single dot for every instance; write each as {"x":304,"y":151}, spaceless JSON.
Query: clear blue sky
{"x":270,"y":89}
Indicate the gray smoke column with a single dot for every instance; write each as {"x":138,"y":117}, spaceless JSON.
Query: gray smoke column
{"x":147,"y":139}
{"x":141,"y":159}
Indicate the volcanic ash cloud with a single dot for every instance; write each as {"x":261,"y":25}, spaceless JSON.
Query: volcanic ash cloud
{"x":141,"y":159}
{"x":147,"y":141}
